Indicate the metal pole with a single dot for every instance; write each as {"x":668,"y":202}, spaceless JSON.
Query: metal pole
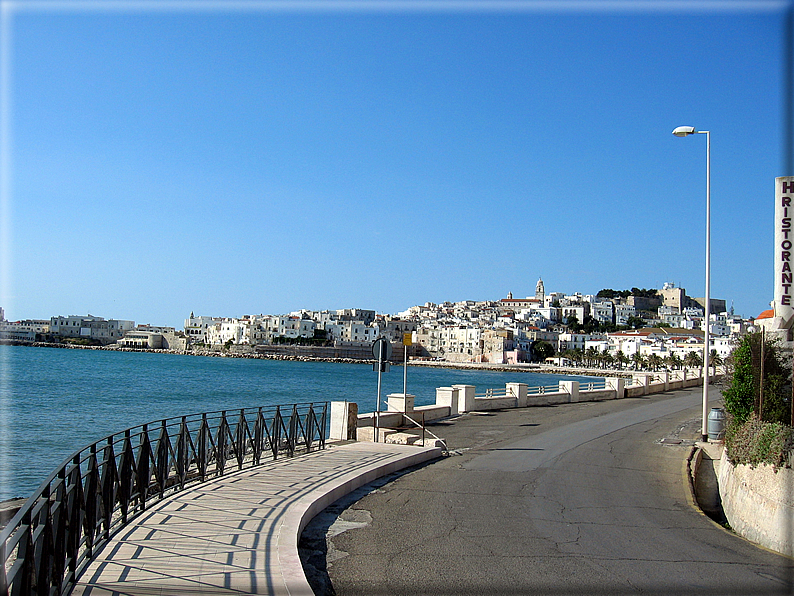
{"x":704,"y":429}
{"x":377,"y":403}
{"x":761,"y":383}
{"x":405,"y":369}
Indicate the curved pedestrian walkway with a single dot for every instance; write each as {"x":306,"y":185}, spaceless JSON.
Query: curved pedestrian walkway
{"x":238,"y":534}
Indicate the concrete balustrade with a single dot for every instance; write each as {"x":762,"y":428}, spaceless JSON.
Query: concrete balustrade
{"x":460,"y":399}
{"x":465,"y":398}
{"x":448,"y":396}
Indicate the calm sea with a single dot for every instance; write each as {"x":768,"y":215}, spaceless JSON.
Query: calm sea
{"x":56,"y":401}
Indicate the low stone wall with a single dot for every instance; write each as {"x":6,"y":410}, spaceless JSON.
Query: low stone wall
{"x":459,"y":399}
{"x":759,"y":503}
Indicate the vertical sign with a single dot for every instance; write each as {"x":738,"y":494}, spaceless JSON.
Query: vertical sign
{"x":784,"y":250}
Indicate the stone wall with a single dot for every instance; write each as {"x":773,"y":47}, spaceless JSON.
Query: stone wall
{"x":759,"y":503}
{"x":459,"y":399}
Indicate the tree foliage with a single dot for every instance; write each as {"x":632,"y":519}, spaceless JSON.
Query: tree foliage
{"x":635,"y":322}
{"x":542,"y":350}
{"x":743,"y":393}
{"x":611,"y":294}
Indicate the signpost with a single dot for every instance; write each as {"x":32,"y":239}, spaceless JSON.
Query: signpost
{"x":407,"y":341}
{"x":381,"y":350}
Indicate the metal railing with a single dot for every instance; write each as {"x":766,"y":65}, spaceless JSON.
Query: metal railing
{"x":542,"y":389}
{"x":54,"y":536}
{"x":593,"y":385}
{"x":420,"y":425}
{"x":495,"y":393}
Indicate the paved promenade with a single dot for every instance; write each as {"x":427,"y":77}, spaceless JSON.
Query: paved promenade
{"x":238,"y":534}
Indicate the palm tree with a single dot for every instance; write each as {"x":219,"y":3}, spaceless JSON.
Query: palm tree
{"x":606,"y":359}
{"x":638,"y":360}
{"x":591,"y":355}
{"x":578,"y":356}
{"x":655,"y":361}
{"x":693,"y":360}
{"x":715,"y":360}
{"x":674,"y":361}
{"x":572,"y":355}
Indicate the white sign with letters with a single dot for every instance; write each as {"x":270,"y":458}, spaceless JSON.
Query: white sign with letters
{"x":784,"y":249}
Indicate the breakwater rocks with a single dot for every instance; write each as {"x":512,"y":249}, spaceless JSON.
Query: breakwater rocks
{"x":235,"y":352}
{"x":357,"y":355}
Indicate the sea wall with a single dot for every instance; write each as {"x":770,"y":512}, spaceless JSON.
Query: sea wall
{"x":759,"y":503}
{"x":460,"y":399}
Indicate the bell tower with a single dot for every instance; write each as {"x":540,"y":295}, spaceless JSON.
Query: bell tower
{"x":540,"y":292}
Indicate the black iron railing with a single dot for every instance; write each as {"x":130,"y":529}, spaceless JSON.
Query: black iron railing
{"x":52,"y":538}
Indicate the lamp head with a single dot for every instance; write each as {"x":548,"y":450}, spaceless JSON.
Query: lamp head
{"x":683,"y":131}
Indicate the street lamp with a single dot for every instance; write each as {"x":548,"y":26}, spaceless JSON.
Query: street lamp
{"x":683,"y":131}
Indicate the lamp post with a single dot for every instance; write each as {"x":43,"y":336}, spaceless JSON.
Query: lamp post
{"x":683,"y":131}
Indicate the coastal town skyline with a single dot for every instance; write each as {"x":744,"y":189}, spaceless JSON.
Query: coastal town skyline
{"x":265,"y":157}
{"x":639,"y":323}
{"x":506,"y":298}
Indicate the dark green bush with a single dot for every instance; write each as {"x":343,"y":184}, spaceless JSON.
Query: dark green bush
{"x":743,"y":381}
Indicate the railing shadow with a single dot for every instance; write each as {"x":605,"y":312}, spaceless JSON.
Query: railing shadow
{"x":101,"y":487}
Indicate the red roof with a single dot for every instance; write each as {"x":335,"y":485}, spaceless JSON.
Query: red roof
{"x":767,"y":314}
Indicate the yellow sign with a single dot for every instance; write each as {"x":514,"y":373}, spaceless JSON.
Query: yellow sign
{"x":407,"y":339}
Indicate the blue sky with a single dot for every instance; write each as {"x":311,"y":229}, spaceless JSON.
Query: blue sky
{"x":240,"y":158}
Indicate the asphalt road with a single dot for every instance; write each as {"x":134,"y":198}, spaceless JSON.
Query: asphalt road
{"x":570,"y":499}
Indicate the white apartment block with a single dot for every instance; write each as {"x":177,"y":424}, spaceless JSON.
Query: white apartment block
{"x":623,"y":312}
{"x":394,"y":329}
{"x":576,"y":341}
{"x":580,"y":311}
{"x":456,"y":343}
{"x":600,"y":345}
{"x":228,"y":330}
{"x":550,"y":298}
{"x":196,"y":327}
{"x":464,"y":341}
{"x":628,"y":345}
{"x":289,"y":327}
{"x":603,"y":312}
{"x":352,"y":332}
{"x":23,"y":330}
{"x":264,"y":329}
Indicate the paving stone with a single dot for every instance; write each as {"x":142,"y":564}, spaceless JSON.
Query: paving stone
{"x":236,"y":534}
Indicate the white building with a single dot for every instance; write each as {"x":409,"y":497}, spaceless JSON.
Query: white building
{"x":234,"y":331}
{"x":577,"y":341}
{"x":580,"y":311}
{"x":90,"y":327}
{"x":623,"y":312}
{"x":29,"y":330}
{"x":352,"y":332}
{"x":603,"y":312}
{"x":196,"y":327}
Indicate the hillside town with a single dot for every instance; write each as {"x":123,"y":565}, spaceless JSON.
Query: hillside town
{"x":612,"y":328}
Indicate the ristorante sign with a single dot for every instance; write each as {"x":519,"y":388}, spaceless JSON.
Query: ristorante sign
{"x":784,"y":249}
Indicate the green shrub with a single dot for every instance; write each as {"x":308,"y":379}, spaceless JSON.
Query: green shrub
{"x":740,"y":392}
{"x":754,"y":442}
{"x":743,"y":381}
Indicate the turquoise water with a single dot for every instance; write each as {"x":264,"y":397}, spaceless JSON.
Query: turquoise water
{"x":55,"y":401}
